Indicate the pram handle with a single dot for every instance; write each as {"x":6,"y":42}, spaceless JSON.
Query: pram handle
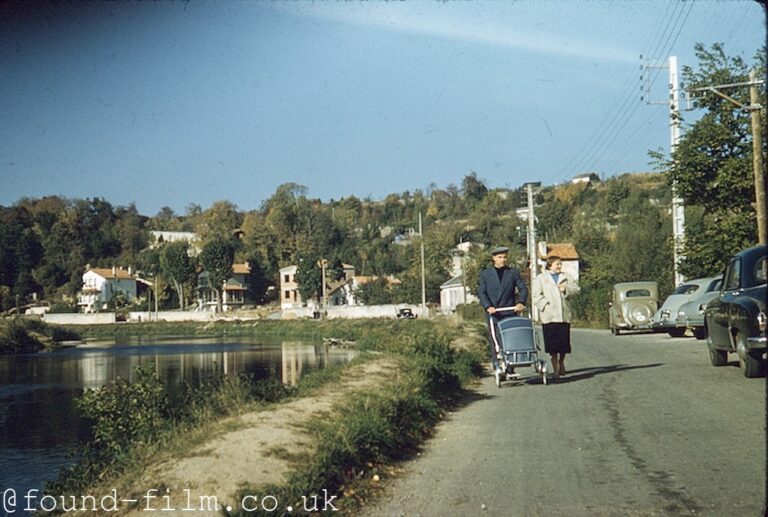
{"x":510,"y":309}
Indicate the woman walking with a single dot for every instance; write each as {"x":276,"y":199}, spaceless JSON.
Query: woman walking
{"x":550,"y":293}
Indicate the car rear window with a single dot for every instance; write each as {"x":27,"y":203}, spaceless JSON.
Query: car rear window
{"x":686,"y":289}
{"x":638,"y":293}
{"x":759,"y":271}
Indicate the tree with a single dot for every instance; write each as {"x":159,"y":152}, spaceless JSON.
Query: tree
{"x":217,"y":257}
{"x":712,"y":166}
{"x":221,"y":220}
{"x":375,"y":292}
{"x":473,"y":188}
{"x":177,"y":267}
{"x":309,"y":277}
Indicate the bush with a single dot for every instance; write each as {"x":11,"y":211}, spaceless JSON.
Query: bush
{"x":16,"y":338}
{"x":471,"y":312}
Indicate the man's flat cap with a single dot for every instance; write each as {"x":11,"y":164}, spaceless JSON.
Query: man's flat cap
{"x":499,"y":249}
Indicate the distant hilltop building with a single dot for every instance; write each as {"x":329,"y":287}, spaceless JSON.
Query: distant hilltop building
{"x":587,"y":177}
{"x":160,"y":236}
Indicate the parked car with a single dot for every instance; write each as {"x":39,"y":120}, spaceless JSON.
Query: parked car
{"x":690,"y":316}
{"x":632,"y":305}
{"x":406,"y":314}
{"x":665,"y":319}
{"x":735,"y":321}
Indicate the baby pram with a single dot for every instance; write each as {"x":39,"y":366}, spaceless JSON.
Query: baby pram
{"x":519,"y":346}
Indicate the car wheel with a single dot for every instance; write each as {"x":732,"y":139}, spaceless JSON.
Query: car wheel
{"x":718,"y":357}
{"x":699,"y":332}
{"x":615,"y":331}
{"x":676,"y":332}
{"x":752,"y":364}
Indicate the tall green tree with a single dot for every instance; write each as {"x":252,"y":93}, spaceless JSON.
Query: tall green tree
{"x":712,"y":165}
{"x":216,"y":258}
{"x":177,"y":267}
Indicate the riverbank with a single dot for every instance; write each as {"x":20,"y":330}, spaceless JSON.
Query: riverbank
{"x":30,"y":335}
{"x":339,"y":432}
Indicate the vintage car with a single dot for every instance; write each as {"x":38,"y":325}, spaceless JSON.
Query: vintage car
{"x":735,"y":321}
{"x":632,"y":305}
{"x":665,"y":319}
{"x":690,"y":315}
{"x":406,"y":314}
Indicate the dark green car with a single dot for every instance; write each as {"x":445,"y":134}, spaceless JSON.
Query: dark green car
{"x":735,"y":320}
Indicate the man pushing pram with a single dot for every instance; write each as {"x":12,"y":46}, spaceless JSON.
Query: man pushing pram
{"x":502,"y":294}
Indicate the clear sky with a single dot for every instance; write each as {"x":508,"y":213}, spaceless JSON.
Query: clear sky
{"x":169,"y":103}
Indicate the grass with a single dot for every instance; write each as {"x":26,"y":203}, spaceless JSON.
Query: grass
{"x":369,"y":430}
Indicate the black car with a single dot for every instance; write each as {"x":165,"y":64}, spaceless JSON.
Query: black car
{"x":406,"y":314}
{"x":735,"y":320}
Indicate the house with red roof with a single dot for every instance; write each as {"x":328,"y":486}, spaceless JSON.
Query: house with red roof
{"x":101,"y":285}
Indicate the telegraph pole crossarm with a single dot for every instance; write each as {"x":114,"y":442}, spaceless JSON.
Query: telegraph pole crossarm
{"x":754,"y":108}
{"x":714,"y":89}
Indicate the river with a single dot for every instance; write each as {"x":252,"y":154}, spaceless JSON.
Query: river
{"x":39,"y":422}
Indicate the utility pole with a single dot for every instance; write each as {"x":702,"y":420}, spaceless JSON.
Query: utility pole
{"x":325,"y":298}
{"x":754,"y":109}
{"x":678,"y":206}
{"x":423,"y":275}
{"x":757,"y":156}
{"x":532,"y":242}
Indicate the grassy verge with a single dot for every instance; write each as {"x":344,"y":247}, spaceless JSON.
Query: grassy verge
{"x":374,"y":429}
{"x":135,"y":424}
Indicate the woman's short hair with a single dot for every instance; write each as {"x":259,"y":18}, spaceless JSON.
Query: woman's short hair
{"x":551,"y":260}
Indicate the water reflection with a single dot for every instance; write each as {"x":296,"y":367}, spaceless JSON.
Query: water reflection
{"x":39,"y":422}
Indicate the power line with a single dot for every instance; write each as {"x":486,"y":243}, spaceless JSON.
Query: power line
{"x":593,"y":150}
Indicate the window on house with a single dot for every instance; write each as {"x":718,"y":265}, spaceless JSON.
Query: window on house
{"x":287,"y":295}
{"x":287,"y":278}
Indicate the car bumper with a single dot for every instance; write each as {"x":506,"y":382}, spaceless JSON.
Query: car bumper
{"x":757,"y":343}
{"x":663,"y":326}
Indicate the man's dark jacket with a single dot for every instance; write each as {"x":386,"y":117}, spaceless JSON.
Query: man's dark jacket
{"x":493,"y":293}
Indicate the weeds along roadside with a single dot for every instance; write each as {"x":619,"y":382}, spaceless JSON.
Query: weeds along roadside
{"x":376,"y":428}
{"x":132,"y":423}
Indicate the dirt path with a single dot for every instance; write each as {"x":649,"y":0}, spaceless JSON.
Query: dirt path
{"x":253,"y":450}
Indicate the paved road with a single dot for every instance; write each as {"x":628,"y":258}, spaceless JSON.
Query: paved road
{"x":643,"y":425}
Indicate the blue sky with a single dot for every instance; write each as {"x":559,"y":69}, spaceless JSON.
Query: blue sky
{"x":175,"y":103}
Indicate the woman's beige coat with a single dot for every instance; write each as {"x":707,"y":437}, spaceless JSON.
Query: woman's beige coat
{"x":552,"y":304}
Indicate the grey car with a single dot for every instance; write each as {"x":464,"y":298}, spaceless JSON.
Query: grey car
{"x":690,"y":316}
{"x":665,"y":319}
{"x":632,"y":305}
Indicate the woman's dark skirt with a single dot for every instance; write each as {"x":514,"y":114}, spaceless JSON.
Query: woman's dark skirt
{"x":557,"y":338}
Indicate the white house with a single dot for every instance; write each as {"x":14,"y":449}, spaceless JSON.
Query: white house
{"x":454,"y":293}
{"x":289,"y":288}
{"x":587,"y":177}
{"x":100,"y":285}
{"x":160,"y":237}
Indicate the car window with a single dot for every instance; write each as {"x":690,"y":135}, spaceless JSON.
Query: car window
{"x":759,"y":271}
{"x":715,"y":285}
{"x":686,"y":289}
{"x":733,"y":280}
{"x":637,"y":293}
